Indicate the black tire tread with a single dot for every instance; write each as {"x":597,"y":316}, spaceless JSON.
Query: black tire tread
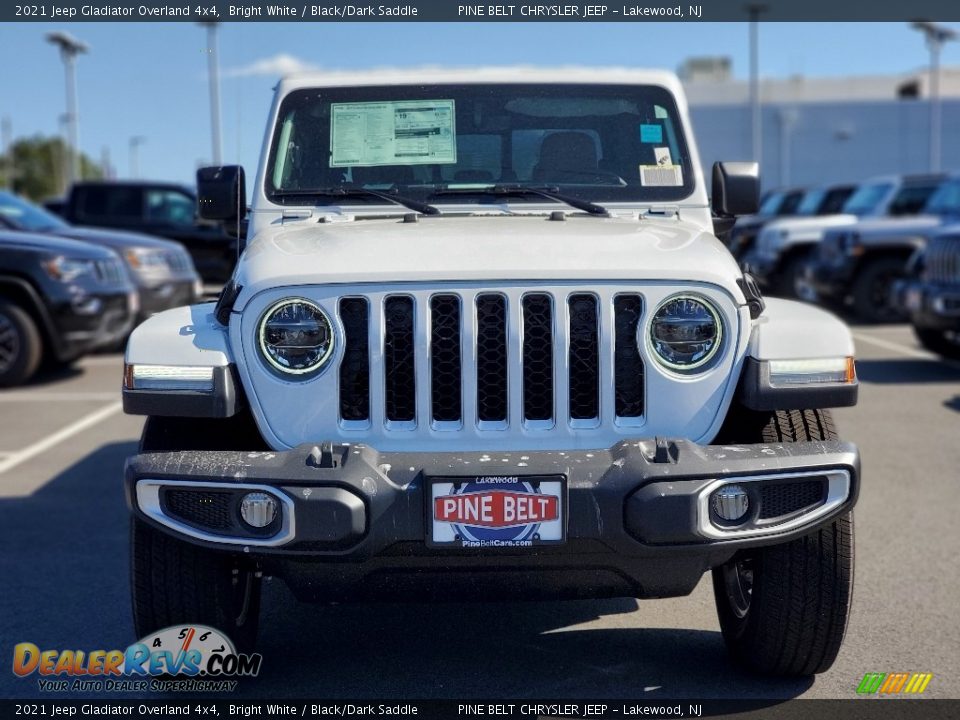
{"x":802,"y":589}
{"x":31,"y":350}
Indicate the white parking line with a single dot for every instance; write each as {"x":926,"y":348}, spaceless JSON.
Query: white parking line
{"x":40,"y":396}
{"x":21,"y":456}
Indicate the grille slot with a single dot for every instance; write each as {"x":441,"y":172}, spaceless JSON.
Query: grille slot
{"x":627,"y":363}
{"x":491,"y":358}
{"x":782,"y":499}
{"x":537,"y":357}
{"x":355,"y":366}
{"x":584,"y":358}
{"x":942,"y":260}
{"x":398,"y":359}
{"x":445,"y":358}
{"x":108,"y":271}
{"x":208,"y":509}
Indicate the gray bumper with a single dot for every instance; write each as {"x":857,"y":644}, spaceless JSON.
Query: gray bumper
{"x":638,"y":520}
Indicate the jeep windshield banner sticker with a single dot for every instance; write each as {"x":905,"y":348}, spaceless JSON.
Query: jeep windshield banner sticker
{"x":499,"y":511}
{"x":406,"y":132}
{"x":180,"y":658}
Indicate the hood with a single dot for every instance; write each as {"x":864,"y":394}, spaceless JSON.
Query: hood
{"x":809,"y":225}
{"x":899,"y":225}
{"x":55,"y":245}
{"x":118,"y":240}
{"x":488,"y":248}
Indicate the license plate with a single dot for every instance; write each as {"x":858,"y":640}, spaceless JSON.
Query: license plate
{"x":497,"y":511}
{"x":913,"y":300}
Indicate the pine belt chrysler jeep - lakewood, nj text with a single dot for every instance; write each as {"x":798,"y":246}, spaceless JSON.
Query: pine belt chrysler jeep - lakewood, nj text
{"x":483,"y":343}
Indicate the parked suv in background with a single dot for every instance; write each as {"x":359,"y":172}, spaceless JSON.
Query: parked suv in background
{"x":857,"y":265}
{"x":484,"y":344}
{"x":931,"y":295}
{"x":162,"y":209}
{"x":161,"y":269}
{"x":776,"y":203}
{"x":58,"y":299}
{"x":785,"y":247}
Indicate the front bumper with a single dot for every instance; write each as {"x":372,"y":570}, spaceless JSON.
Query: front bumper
{"x":354,"y":522}
{"x":830,"y":282}
{"x":763,"y":268}
{"x":162,"y":296}
{"x":933,"y":306}
{"x":93,"y":320}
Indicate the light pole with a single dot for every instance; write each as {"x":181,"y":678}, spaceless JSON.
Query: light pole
{"x":754,"y":10}
{"x":6,"y":151}
{"x":135,"y":142}
{"x":70,"y":47}
{"x":213,"y":71}
{"x":936,"y":36}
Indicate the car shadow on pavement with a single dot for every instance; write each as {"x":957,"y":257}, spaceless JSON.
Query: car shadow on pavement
{"x":906,"y":372}
{"x":537,"y":650}
{"x":64,"y":563}
{"x":65,"y":555}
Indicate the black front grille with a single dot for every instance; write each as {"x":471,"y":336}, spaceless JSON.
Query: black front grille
{"x":209,"y":509}
{"x":627,"y":363}
{"x":584,"y":358}
{"x":398,"y":359}
{"x":355,"y":366}
{"x":537,"y":357}
{"x":445,"y":361}
{"x":491,"y":358}
{"x":777,"y":500}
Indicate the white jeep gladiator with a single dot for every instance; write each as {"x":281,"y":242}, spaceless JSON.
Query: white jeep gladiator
{"x":483,"y":343}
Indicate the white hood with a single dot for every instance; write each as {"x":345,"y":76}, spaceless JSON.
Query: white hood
{"x":492,"y":248}
{"x":811,"y":227}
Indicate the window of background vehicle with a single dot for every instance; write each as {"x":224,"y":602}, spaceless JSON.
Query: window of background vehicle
{"x":170,"y":207}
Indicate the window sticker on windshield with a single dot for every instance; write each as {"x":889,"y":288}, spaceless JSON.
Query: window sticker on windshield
{"x":651,"y":134}
{"x":406,"y":132}
{"x":664,"y":173}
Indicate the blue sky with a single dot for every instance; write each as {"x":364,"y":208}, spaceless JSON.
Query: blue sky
{"x":149,"y":79}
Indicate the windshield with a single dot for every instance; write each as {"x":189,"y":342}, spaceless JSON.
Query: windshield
{"x":22,"y":215}
{"x":946,"y":199}
{"x":771,"y":204}
{"x":867,"y":198}
{"x":810,"y":205}
{"x":599,"y":143}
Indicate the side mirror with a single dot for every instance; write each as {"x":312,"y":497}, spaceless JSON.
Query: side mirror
{"x":736,"y":189}
{"x":222,"y":195}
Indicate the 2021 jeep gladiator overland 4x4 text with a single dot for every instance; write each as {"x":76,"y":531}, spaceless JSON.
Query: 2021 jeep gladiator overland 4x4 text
{"x":483,"y":343}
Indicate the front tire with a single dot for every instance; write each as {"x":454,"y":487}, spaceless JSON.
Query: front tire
{"x":871,"y":291}
{"x":783,"y":609}
{"x":20,"y":345}
{"x":175,"y":582}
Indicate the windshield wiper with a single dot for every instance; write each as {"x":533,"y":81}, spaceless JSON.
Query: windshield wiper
{"x":540,"y":191}
{"x":351,"y":191}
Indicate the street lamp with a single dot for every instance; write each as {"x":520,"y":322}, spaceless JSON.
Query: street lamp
{"x":213,"y":71}
{"x":70,"y":47}
{"x":135,"y":142}
{"x":936,"y":36}
{"x":753,"y":11}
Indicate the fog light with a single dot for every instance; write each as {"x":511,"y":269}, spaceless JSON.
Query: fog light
{"x":730,"y":502}
{"x":258,"y":509}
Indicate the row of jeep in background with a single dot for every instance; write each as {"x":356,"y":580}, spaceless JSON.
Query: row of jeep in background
{"x":67,"y":290}
{"x":887,"y":250}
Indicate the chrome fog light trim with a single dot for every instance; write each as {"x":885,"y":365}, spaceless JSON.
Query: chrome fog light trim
{"x":148,"y":500}
{"x":838,"y":490}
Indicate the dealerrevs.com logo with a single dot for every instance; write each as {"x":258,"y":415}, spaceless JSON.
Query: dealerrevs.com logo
{"x":188,"y":658}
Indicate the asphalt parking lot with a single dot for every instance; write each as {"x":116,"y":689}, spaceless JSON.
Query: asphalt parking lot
{"x":63,"y":556}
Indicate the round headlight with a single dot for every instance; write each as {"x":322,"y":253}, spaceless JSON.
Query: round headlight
{"x":296,"y":337}
{"x":685,"y":332}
